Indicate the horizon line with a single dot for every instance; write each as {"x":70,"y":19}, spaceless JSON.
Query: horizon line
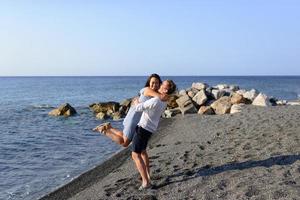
{"x":32,"y":76}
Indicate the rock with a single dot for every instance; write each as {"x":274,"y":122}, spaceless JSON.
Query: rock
{"x":206,"y":110}
{"x":171,"y":112}
{"x":117,"y":116}
{"x":124,"y":106}
{"x":200,"y":98}
{"x":236,"y":108}
{"x":222,"y":86}
{"x":251,"y":95}
{"x":101,"y":115}
{"x":228,"y":92}
{"x":123,"y":110}
{"x":237,"y":98}
{"x":293,"y":103}
{"x":241,"y":92}
{"x":261,"y":100}
{"x":182,"y":92}
{"x":190,"y":108}
{"x":222,"y":105}
{"x":273,"y":101}
{"x":217,"y":93}
{"x":281,"y":102}
{"x":183,"y":101}
{"x":199,"y":86}
{"x":234,"y":88}
{"x":106,"y":107}
{"x":186,"y":105}
{"x":64,"y":109}
{"x":126,"y":102}
{"x":191,"y":93}
{"x":172,"y":102}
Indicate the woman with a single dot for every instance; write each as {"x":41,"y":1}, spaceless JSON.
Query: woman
{"x":132,"y":118}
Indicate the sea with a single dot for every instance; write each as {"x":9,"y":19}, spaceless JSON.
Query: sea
{"x":39,"y":153}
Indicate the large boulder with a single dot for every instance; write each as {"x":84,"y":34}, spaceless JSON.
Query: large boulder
{"x":182,"y":92}
{"x":206,"y":110}
{"x":241,"y":92}
{"x":105,"y":107}
{"x":172,"y":102}
{"x":250,"y":95}
{"x":221,"y":86}
{"x":171,"y":112}
{"x":237,"y":98}
{"x":236,"y":108}
{"x":117,"y":116}
{"x":234,"y":88}
{"x":261,"y":100}
{"x":124,"y":106}
{"x":200,"y":98}
{"x":63,"y":110}
{"x":186,"y":105}
{"x":101,"y":115}
{"x":191,"y":93}
{"x":199,"y":86}
{"x":222,"y":105}
{"x":216,"y":93}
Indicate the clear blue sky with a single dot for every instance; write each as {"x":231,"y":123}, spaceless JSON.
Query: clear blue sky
{"x":184,"y":37}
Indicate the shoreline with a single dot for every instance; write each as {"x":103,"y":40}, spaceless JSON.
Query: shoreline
{"x":88,"y":178}
{"x":254,"y":154}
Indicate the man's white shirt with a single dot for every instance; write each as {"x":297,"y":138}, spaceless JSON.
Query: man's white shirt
{"x":152,"y":110}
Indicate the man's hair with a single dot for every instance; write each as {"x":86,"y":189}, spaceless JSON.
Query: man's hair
{"x":172,"y":86}
{"x":147,"y":84}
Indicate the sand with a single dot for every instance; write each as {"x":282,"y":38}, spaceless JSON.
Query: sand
{"x":254,"y":154}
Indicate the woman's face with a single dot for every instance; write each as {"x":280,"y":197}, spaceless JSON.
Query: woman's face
{"x":154,"y":83}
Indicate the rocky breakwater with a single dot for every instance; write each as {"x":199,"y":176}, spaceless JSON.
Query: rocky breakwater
{"x":199,"y":98}
{"x":220,"y":99}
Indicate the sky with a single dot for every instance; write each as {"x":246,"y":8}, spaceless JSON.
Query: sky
{"x":176,"y":37}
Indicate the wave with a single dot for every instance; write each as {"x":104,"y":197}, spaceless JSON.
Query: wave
{"x":42,"y":106}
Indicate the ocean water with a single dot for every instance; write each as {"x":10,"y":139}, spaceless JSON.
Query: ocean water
{"x":39,"y":153}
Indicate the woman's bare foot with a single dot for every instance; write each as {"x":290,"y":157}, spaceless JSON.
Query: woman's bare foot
{"x":102,"y":128}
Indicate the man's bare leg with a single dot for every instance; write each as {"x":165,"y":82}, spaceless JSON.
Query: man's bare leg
{"x":146,"y":161}
{"x":141,"y":167}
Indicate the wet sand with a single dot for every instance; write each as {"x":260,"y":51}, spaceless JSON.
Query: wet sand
{"x":254,"y":154}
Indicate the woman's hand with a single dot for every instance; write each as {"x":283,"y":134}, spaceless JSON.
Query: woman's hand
{"x":135,"y":101}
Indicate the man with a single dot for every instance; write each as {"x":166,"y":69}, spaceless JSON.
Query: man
{"x":152,"y":110}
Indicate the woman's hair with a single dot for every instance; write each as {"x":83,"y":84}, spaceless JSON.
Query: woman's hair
{"x":153,"y":76}
{"x":172,"y":86}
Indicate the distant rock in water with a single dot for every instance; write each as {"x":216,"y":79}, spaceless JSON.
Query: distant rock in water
{"x":105,"y":107}
{"x":111,"y":109}
{"x":63,"y":110}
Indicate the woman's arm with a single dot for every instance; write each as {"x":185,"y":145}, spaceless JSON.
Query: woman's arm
{"x":151,"y":93}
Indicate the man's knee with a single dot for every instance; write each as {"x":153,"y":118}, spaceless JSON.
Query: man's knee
{"x":135,"y":155}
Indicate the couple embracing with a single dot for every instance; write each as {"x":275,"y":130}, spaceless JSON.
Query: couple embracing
{"x":141,"y":122}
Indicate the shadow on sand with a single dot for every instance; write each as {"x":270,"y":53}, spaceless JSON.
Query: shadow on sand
{"x":209,"y":170}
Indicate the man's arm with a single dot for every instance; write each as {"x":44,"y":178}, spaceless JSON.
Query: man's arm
{"x":147,"y":105}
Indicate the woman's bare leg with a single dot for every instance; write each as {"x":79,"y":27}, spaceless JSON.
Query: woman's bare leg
{"x":116,"y":131}
{"x":114,"y":136}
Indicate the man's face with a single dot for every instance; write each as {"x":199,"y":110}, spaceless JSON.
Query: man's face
{"x":164,"y":88}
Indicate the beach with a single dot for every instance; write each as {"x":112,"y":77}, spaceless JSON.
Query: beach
{"x":254,"y":154}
